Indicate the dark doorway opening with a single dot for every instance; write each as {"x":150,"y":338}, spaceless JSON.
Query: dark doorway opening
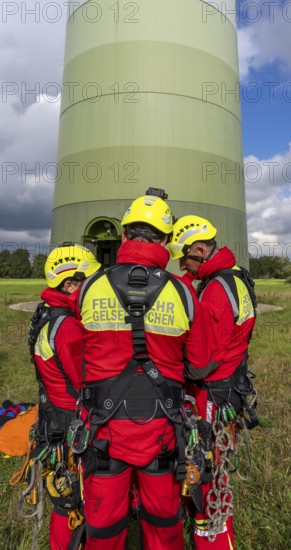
{"x":103,"y":238}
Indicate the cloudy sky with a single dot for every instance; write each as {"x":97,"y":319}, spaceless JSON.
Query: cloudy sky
{"x":31,"y":66}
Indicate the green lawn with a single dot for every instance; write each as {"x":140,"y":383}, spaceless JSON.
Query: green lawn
{"x":20,"y":290}
{"x":272,"y":285}
{"x":263,"y":504}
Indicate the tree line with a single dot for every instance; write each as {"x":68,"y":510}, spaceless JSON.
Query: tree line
{"x":18,"y":265}
{"x":271,"y":267}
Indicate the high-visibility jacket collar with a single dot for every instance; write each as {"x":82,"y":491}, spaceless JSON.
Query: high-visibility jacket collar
{"x":143,"y":253}
{"x":224,"y":259}
{"x":55,"y":298}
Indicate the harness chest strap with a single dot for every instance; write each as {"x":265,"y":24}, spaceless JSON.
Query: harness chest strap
{"x":137,"y":287}
{"x":55,"y":316}
{"x":226,"y":277}
{"x":57,"y":420}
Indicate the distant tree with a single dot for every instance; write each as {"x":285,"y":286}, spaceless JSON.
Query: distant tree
{"x":255,"y":268}
{"x":278,"y":266}
{"x":267,"y":267}
{"x":37,"y":271}
{"x":5,"y":260}
{"x":20,"y":267}
{"x":287,"y":271}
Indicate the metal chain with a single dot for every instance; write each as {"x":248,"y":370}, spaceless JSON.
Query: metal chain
{"x":220,"y":499}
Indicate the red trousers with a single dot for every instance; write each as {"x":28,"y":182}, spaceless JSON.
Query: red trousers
{"x":60,"y":534}
{"x":106,"y":511}
{"x":225,"y":539}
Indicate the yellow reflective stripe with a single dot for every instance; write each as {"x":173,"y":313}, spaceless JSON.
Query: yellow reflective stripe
{"x":201,"y":522}
{"x":230,"y":544}
{"x":42,"y":347}
{"x":201,"y":525}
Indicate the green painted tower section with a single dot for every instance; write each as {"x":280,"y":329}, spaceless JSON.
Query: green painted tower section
{"x":150,"y":98}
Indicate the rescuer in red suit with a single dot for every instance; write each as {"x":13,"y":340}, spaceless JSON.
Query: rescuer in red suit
{"x":138,"y":324}
{"x":57,"y":355}
{"x":229,"y":318}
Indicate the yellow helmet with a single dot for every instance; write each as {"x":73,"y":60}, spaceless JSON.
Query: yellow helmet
{"x":69,"y":260}
{"x":187,"y":230}
{"x":151,"y":210}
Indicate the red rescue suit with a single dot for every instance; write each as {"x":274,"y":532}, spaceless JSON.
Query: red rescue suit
{"x":108,"y":349}
{"x":68,"y":343}
{"x":228,"y":342}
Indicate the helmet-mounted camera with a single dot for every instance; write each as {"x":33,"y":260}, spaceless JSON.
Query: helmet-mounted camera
{"x":157,"y":192}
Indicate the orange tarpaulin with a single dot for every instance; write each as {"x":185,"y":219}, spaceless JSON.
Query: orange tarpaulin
{"x":14,"y":435}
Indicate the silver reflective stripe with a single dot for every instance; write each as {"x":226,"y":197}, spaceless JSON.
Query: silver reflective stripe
{"x":83,"y":289}
{"x":120,"y":326}
{"x":229,"y":295}
{"x":249,"y":315}
{"x":189,"y":298}
{"x":200,"y":296}
{"x":164,"y":330}
{"x":54,"y":331}
{"x":202,"y":533}
{"x":189,"y":233}
{"x":209,"y":408}
{"x":107,"y":326}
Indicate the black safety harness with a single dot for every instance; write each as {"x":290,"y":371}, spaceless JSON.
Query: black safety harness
{"x":140,"y":393}
{"x":49,"y":434}
{"x":53,"y":422}
{"x":228,"y":276}
{"x":241,"y":380}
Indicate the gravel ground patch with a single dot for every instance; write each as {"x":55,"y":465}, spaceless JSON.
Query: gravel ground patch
{"x":263,"y":308}
{"x":31,"y":306}
{"x":25,"y":306}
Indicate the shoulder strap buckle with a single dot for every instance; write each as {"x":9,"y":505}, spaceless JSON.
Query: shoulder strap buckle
{"x":136,"y":310}
{"x":138,"y":275}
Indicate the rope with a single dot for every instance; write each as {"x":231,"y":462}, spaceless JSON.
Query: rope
{"x":249,"y":456}
{"x":17,"y":477}
{"x":36,"y":485}
{"x":39,"y":507}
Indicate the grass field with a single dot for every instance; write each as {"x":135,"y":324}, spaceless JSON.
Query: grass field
{"x":262,"y":505}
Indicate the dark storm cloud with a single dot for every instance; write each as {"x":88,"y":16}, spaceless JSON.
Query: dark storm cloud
{"x":31,"y":65}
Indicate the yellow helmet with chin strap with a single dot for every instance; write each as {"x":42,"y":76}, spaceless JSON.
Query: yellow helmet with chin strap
{"x":151,"y":210}
{"x":188,"y":230}
{"x":69,"y":261}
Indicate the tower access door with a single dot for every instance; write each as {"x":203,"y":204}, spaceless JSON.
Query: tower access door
{"x":103,"y":237}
